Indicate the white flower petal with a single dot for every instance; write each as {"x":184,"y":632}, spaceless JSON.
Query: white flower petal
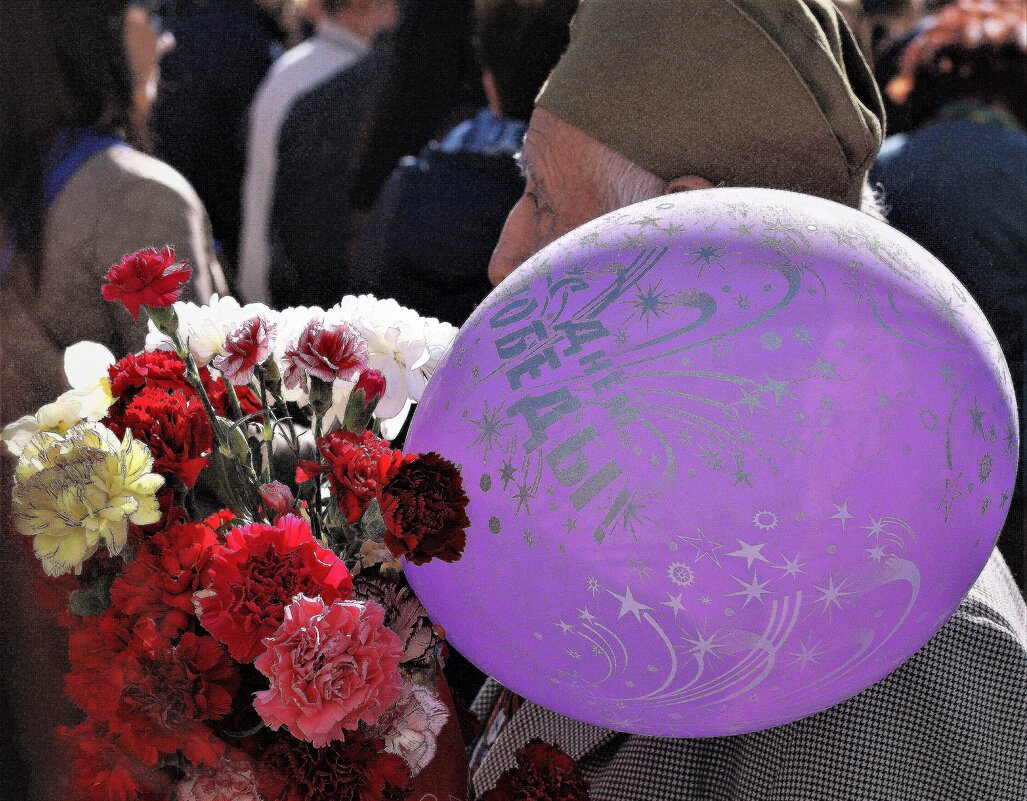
{"x":19,"y":433}
{"x":392,"y":426}
{"x":86,"y":363}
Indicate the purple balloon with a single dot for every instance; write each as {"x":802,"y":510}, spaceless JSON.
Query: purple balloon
{"x":733,"y":456}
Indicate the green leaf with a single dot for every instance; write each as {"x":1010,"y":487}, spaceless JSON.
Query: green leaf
{"x":372,"y":523}
{"x":95,"y":597}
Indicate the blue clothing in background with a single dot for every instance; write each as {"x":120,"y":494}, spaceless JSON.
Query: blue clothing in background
{"x":486,"y":134}
{"x":431,"y":232}
{"x":66,"y":156}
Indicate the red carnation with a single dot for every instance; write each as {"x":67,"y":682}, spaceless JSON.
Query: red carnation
{"x":93,"y":648}
{"x":257,"y":573}
{"x":359,"y":466}
{"x":163,"y":695}
{"x":423,"y":506}
{"x":543,"y":773}
{"x":176,"y":429}
{"x":246,"y":348}
{"x":99,"y":770}
{"x":164,"y":369}
{"x":148,"y":277}
{"x":324,"y":352}
{"x":151,"y":368}
{"x":354,"y":770}
{"x":159,"y":582}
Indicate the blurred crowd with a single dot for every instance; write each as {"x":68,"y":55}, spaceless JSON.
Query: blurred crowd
{"x":299,"y":151}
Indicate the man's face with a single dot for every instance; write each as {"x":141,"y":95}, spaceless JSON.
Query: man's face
{"x":559,"y":195}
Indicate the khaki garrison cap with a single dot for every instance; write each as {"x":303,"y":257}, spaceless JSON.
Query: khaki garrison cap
{"x":769,"y":93}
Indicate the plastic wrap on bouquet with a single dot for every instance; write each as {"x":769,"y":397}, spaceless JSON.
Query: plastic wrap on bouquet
{"x":733,"y":456}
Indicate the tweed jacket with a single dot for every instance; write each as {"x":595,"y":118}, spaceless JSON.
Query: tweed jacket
{"x":120,"y":200}
{"x":949,"y":725}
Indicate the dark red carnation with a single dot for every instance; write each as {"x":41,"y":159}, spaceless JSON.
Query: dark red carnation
{"x":176,"y":429}
{"x":163,"y":695}
{"x":423,"y":506}
{"x":358,"y":467}
{"x":543,"y":773}
{"x":148,"y":277}
{"x":255,"y":575}
{"x":160,"y":581}
{"x":99,"y":770}
{"x":326,"y":352}
{"x":354,"y":770}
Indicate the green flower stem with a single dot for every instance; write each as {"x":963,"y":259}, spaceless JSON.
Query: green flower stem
{"x":235,"y":495}
{"x":233,"y":402}
{"x":316,"y":517}
{"x":192,"y":374}
{"x":268,"y":432}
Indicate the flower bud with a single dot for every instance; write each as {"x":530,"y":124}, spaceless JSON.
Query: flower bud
{"x":164,"y":318}
{"x":362,"y":401}
{"x":276,"y":497}
{"x":372,"y":383}
{"x":320,"y":397}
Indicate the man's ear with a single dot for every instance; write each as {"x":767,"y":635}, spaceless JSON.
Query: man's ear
{"x":686,"y":183}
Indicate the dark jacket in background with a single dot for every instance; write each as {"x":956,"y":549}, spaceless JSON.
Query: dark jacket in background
{"x":430,"y":234}
{"x":959,"y":188}
{"x":310,"y":231}
{"x":430,"y":81}
{"x":222,"y":50}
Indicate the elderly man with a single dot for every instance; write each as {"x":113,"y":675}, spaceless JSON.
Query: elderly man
{"x":659,"y":97}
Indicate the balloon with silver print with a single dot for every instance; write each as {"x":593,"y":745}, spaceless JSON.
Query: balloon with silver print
{"x":733,"y":456}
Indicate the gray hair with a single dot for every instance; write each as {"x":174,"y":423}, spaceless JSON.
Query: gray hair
{"x":620,"y":182}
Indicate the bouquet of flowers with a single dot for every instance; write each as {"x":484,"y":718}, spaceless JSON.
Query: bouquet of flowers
{"x":232,"y":636}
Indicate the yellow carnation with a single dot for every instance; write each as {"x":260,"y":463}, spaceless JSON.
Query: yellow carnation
{"x":73,"y":491}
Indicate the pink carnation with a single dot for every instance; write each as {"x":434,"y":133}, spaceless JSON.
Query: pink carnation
{"x":325,"y":352}
{"x":246,"y":348}
{"x":330,"y":667}
{"x":410,"y":729}
{"x":231,"y":779}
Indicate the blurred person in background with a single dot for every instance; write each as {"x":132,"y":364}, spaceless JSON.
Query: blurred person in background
{"x":411,"y":86}
{"x":309,"y":224}
{"x":877,"y":22}
{"x":74,"y":198}
{"x":430,"y":234}
{"x":431,"y":82}
{"x":223,"y":49}
{"x":145,"y":42}
{"x":343,"y":32}
{"x":886,"y":42}
{"x":957,"y":182}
